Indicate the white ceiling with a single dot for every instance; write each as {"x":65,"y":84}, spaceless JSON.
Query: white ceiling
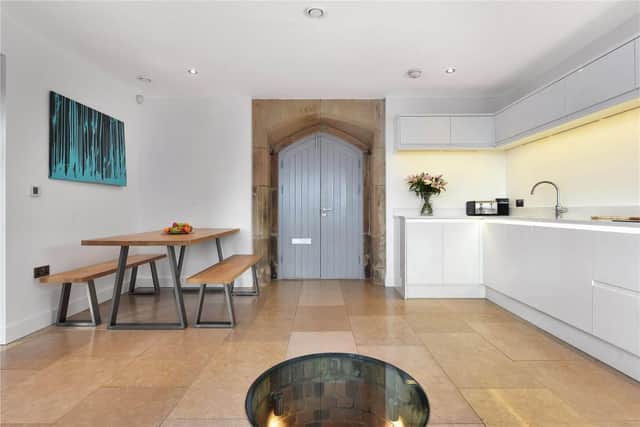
{"x":359,"y":50}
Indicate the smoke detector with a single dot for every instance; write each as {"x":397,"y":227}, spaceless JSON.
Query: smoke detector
{"x":414,"y":73}
{"x":143,"y":79}
{"x":314,"y":12}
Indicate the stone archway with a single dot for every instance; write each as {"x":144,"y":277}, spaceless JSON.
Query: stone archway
{"x":279,"y":123}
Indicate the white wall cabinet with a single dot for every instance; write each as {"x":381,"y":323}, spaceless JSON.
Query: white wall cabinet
{"x":438,"y":132}
{"x":472,"y":131}
{"x":536,"y":110}
{"x":637,"y":42}
{"x":605,"y":78}
{"x":415,"y":132}
{"x":609,"y":80}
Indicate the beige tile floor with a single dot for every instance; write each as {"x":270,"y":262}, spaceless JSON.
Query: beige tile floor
{"x":479,"y":364}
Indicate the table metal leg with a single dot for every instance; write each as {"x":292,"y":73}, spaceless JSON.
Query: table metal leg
{"x":115,"y":302}
{"x":176,"y":267}
{"x":117,"y":287}
{"x":219,"y":247}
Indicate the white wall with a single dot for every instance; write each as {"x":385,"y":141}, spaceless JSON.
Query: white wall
{"x":3,"y":270}
{"x":186,"y":160}
{"x":197,"y":168}
{"x":596,"y":165}
{"x":472,"y":175}
{"x":48,"y":229}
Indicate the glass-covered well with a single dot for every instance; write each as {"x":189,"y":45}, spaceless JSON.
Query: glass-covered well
{"x":336,"y":390}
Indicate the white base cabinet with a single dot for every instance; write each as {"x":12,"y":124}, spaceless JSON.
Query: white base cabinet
{"x":546,"y":268}
{"x":439,"y":258}
{"x":578,"y":282}
{"x":589,"y":281}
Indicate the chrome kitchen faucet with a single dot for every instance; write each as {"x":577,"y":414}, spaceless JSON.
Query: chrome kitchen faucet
{"x":559,"y":208}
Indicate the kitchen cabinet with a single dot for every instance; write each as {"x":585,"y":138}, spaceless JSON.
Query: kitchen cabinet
{"x":472,"y":131}
{"x":616,"y":317}
{"x":543,"y":268}
{"x":442,"y":132}
{"x":637,"y":43}
{"x":616,"y":289}
{"x":461,"y":250}
{"x":561,"y":274}
{"x":414,"y":132}
{"x":604,"y":78}
{"x":535,"y":110}
{"x":579,"y":282}
{"x":617,"y":260}
{"x":424,"y":253}
{"x":439,"y":258}
{"x":602,"y":82}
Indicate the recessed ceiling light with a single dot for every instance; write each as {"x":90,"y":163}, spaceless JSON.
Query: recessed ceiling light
{"x":192,"y":71}
{"x":314,"y":12}
{"x":143,"y":79}
{"x":414,"y":73}
{"x":450,"y":70}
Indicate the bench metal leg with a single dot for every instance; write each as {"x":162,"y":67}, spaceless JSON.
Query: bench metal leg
{"x":221,"y":257}
{"x":63,"y":307}
{"x":63,"y":304}
{"x":198,"y":323}
{"x":254,"y":291}
{"x":132,"y":280}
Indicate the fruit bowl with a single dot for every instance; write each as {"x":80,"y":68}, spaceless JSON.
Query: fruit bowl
{"x":179,"y":228}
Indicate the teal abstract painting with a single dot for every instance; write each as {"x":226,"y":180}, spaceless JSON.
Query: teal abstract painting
{"x":84,"y":144}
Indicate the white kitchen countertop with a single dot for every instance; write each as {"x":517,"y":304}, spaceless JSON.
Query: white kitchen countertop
{"x":568,"y":223}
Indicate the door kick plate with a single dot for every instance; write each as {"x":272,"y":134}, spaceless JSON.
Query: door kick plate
{"x":301,"y":241}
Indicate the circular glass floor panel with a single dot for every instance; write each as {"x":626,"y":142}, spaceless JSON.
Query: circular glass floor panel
{"x":336,"y":390}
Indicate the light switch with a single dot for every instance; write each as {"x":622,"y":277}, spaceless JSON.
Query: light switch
{"x":35,"y":191}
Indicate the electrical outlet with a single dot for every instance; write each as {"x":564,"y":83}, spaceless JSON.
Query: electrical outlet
{"x":34,"y":191}
{"x":519,"y":203}
{"x":41,"y":271}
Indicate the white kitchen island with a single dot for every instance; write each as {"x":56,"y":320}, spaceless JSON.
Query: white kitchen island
{"x":578,"y":280}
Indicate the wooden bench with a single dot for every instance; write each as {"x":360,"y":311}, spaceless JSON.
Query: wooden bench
{"x":224,"y":273}
{"x":89,"y":274}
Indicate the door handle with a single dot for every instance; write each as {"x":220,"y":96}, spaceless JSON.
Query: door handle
{"x":325,"y":211}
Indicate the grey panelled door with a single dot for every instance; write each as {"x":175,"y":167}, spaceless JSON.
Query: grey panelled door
{"x":320,"y":210}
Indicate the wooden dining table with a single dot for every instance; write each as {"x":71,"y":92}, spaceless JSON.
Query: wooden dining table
{"x":158,"y":238}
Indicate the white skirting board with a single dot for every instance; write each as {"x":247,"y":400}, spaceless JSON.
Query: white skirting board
{"x":613,"y":356}
{"x":442,"y":291}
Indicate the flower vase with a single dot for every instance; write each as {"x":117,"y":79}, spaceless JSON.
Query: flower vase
{"x":427,"y":209}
